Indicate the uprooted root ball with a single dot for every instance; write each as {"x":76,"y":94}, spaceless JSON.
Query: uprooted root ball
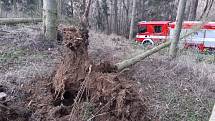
{"x":88,"y":90}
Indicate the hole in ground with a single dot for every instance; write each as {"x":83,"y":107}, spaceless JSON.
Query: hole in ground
{"x":69,"y":97}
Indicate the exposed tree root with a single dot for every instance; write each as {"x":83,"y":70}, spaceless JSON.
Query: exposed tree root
{"x":92,"y":92}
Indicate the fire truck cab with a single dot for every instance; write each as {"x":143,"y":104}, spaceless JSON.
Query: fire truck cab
{"x":154,"y":32}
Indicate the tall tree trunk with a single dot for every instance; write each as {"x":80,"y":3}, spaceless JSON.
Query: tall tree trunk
{"x":83,"y":6}
{"x":116,"y":16}
{"x":193,"y":10}
{"x":127,"y":18}
{"x":177,"y":31}
{"x":132,"y":20}
{"x":39,"y":7}
{"x":15,"y":11}
{"x":50,"y":21}
{"x":71,"y":8}
{"x":187,"y":10}
{"x":1,"y":10}
{"x":59,"y":9}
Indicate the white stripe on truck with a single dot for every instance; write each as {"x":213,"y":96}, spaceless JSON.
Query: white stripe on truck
{"x":151,"y":37}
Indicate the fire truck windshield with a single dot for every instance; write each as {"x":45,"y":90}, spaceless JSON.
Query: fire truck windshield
{"x":142,"y":29}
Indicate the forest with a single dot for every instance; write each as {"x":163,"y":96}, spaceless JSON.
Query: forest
{"x":107,"y":60}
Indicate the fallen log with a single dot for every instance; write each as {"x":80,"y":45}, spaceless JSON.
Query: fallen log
{"x":134,"y":60}
{"x":127,"y":63}
{"x":19,"y":20}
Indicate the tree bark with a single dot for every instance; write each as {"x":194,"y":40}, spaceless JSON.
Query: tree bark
{"x":19,"y":20}
{"x":50,"y":19}
{"x":212,"y":118}
{"x":72,"y":9}
{"x":1,"y":10}
{"x":39,"y":7}
{"x":187,"y":10}
{"x":115,"y":16}
{"x":15,"y":11}
{"x":132,"y":20}
{"x":126,"y":63}
{"x":59,"y":8}
{"x":177,"y":31}
{"x":193,"y":10}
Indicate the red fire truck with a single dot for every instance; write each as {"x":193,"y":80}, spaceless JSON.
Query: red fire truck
{"x":155,"y":32}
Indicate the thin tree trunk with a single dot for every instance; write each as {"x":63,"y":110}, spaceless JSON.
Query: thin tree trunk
{"x":187,"y":9}
{"x":212,"y":118}
{"x":85,"y":17}
{"x":72,"y":9}
{"x":177,"y":31}
{"x":132,"y":20}
{"x":39,"y":7}
{"x":111,"y":16}
{"x":15,"y":8}
{"x":83,"y":6}
{"x":193,"y":10}
{"x":115,"y":17}
{"x":127,"y":17}
{"x":50,"y":19}
{"x":59,"y":9}
{"x":1,"y":10}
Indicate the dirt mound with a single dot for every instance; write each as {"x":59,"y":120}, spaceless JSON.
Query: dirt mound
{"x":10,"y":112}
{"x":88,"y":91}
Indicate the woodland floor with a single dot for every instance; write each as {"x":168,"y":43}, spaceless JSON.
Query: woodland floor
{"x":180,"y":90}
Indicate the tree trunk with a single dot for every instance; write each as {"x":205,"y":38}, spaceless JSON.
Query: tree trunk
{"x":115,"y":17}
{"x":19,"y":20}
{"x":1,"y":10}
{"x":83,"y":7}
{"x":126,"y":63}
{"x":187,"y":10}
{"x":132,"y":20}
{"x":72,"y":9}
{"x":59,"y":9}
{"x":50,"y":19}
{"x":193,"y":10}
{"x":177,"y":31}
{"x":15,"y":11}
{"x":39,"y":7}
{"x":212,"y":118}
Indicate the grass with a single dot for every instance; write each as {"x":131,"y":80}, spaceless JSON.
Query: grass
{"x":12,"y":56}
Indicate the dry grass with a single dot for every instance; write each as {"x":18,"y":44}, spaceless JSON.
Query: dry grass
{"x":180,"y":90}
{"x":177,"y":90}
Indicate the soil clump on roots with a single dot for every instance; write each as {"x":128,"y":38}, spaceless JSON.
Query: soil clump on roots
{"x":90,"y":91}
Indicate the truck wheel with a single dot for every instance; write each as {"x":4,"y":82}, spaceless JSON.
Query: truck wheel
{"x":148,"y":43}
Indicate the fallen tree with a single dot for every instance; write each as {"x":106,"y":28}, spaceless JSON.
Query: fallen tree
{"x":129,"y":62}
{"x":88,"y":90}
{"x":134,"y":60}
{"x":19,"y":20}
